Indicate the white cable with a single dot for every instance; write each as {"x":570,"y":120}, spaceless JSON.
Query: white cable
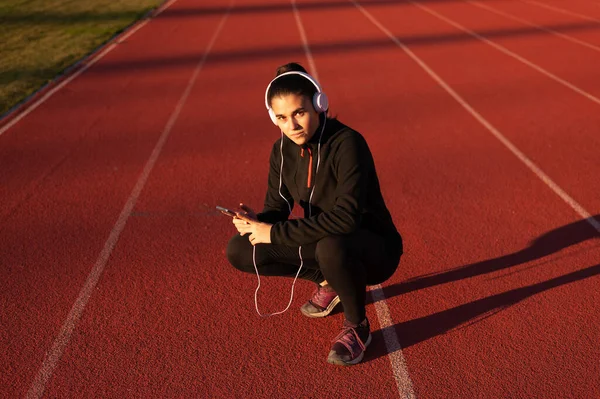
{"x":281,"y":174}
{"x":290,"y":208}
{"x":258,"y":287}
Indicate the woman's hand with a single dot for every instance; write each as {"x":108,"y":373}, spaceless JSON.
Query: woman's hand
{"x":247,"y":223}
{"x":248,"y":212}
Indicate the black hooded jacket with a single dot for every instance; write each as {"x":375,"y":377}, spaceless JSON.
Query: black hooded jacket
{"x":346,"y":194}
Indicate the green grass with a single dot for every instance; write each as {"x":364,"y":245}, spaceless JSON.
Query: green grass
{"x":39,"y":39}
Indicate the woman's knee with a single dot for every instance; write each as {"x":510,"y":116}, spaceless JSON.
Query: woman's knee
{"x":383,"y":273}
{"x":331,"y":250}
{"x":239,"y":253}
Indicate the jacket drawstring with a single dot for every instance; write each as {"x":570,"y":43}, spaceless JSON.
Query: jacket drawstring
{"x":310,"y":165}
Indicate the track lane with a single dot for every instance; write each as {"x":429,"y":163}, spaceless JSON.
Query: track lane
{"x":384,"y":319}
{"x":493,"y":83}
{"x":162,"y":322}
{"x":456,"y":327}
{"x":585,"y":10}
{"x":568,"y":61}
{"x":67,"y":170}
{"x":584,"y":31}
{"x":196,"y":331}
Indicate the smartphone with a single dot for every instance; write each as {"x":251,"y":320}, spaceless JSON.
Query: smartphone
{"x":226,"y":211}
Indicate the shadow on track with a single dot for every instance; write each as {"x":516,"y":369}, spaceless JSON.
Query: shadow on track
{"x":257,"y":53}
{"x":418,"y":330}
{"x":421,"y":329}
{"x":547,"y":244}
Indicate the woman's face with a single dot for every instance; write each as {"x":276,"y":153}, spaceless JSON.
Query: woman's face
{"x":296,"y":117}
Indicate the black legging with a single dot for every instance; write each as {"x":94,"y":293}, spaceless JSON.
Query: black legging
{"x":349,"y":263}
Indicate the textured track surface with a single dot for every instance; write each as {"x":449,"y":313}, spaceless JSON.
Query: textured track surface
{"x":113,"y":279}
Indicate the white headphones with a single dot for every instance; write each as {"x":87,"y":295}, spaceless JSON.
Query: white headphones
{"x":320,"y":100}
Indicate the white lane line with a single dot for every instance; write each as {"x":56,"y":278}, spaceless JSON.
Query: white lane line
{"x":508,"y":52}
{"x":86,"y":64}
{"x":62,"y":340}
{"x":392,"y":343}
{"x":495,"y":132}
{"x":311,"y":61}
{"x":561,"y":10}
{"x":543,"y":28}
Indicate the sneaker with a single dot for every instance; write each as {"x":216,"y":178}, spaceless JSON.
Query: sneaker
{"x":350,"y":345}
{"x":323,"y":301}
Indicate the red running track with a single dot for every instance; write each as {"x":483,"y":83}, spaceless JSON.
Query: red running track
{"x":113,"y":278}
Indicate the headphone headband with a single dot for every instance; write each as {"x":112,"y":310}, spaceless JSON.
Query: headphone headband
{"x":319,"y":100}
{"x":305,"y":75}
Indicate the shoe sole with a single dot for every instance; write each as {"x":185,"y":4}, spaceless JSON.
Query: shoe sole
{"x":326,"y":311}
{"x":358,"y":359}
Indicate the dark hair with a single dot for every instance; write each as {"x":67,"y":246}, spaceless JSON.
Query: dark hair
{"x":291,"y":84}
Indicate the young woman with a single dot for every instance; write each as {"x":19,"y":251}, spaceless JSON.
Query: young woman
{"x":347,"y":239}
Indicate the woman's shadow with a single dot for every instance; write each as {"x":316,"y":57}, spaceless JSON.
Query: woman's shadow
{"x":418,"y":330}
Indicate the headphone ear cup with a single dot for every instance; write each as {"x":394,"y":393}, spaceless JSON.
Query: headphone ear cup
{"x":320,"y":102}
{"x":272,"y":116}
